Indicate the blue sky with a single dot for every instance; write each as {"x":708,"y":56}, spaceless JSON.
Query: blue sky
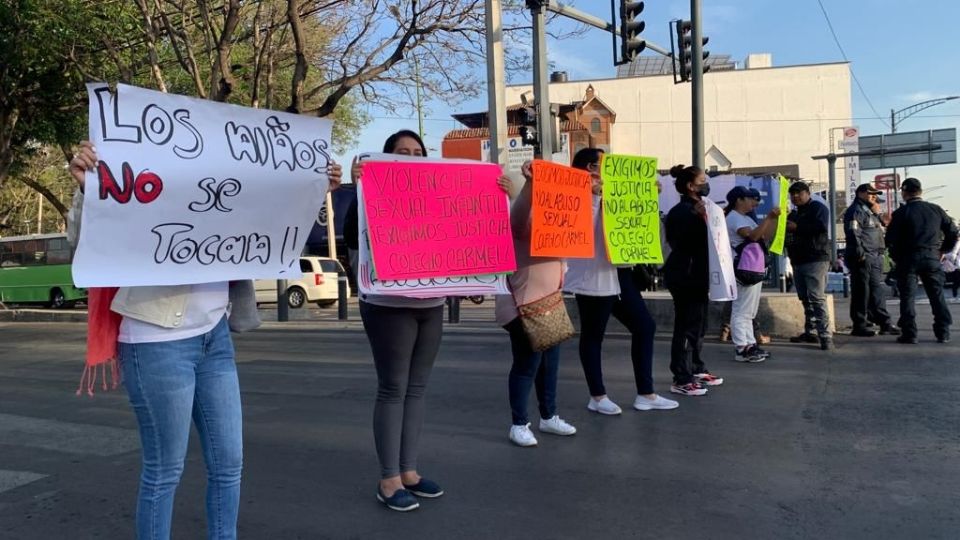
{"x":902,"y":53}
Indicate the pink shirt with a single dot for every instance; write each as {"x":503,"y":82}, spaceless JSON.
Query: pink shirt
{"x":536,"y":277}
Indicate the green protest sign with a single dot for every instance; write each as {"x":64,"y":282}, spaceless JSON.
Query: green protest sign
{"x":777,"y":245}
{"x":631,"y":209}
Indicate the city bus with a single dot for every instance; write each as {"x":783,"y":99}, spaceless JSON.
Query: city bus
{"x":35,"y":269}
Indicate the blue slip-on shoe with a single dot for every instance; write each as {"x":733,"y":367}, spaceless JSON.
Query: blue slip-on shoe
{"x":425,"y":488}
{"x":401,"y":501}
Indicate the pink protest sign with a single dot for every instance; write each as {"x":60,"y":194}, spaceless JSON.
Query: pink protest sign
{"x":434,"y":219}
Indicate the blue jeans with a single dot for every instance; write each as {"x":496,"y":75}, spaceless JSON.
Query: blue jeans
{"x":811,"y":282}
{"x":169,"y":383}
{"x":529,"y":368}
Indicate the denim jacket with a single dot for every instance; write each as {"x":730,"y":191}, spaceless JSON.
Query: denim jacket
{"x":164,"y":305}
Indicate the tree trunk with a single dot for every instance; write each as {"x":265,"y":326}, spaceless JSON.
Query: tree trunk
{"x":300,"y":70}
{"x":47,"y":194}
{"x":223,"y":66}
{"x":150,"y":37}
{"x":8,"y":122}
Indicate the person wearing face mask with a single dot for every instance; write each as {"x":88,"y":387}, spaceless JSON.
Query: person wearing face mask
{"x":808,"y":246}
{"x":687,"y":274}
{"x":603,"y":290}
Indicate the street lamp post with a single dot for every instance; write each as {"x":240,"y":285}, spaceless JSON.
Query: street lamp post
{"x":899,"y":116}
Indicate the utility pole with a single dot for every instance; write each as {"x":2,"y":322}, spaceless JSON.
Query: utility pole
{"x":541,"y":91}
{"x":416,"y":71}
{"x":696,"y":89}
{"x":496,"y":86}
{"x":39,"y":214}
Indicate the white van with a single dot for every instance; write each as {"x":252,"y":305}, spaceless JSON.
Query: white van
{"x":318,"y":284}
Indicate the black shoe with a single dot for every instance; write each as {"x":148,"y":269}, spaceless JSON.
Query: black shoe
{"x":862,"y":332}
{"x":805,"y":337}
{"x":826,"y":344}
{"x":890,"y":330}
{"x":943,"y":339}
{"x":907,"y":340}
{"x":425,"y":488}
{"x":401,"y":501}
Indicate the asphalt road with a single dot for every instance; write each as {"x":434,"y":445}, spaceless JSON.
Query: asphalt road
{"x":861,"y":442}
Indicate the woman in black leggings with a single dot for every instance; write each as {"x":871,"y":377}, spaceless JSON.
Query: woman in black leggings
{"x":686,"y":274}
{"x":404,"y":335}
{"x":603,"y":290}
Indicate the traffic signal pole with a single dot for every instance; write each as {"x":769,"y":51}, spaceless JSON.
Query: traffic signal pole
{"x":496,"y":86}
{"x":696,"y":87}
{"x":541,"y":90}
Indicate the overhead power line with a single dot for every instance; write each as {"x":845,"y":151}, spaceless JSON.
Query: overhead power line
{"x":852,"y":72}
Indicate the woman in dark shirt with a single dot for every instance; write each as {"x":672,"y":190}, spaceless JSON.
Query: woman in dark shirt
{"x":687,"y":277}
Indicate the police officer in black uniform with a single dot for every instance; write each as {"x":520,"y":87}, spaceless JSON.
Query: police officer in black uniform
{"x":864,"y":227}
{"x":919,"y":235}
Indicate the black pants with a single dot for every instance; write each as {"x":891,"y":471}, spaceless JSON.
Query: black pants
{"x":689,"y":325}
{"x":405,"y":342}
{"x":868,"y":298}
{"x":931,"y":275}
{"x":630,"y":309}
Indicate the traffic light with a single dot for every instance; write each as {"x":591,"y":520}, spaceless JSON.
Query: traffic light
{"x":630,"y":29}
{"x":685,"y":50}
{"x":528,"y":126}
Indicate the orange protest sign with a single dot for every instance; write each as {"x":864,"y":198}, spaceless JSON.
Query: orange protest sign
{"x":562,"y":212}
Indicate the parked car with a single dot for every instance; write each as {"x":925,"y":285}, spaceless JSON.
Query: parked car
{"x":318,"y":284}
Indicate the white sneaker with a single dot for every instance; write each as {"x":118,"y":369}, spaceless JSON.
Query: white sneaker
{"x":659,"y":402}
{"x":557,"y":426}
{"x":522,"y":436}
{"x":604,"y":406}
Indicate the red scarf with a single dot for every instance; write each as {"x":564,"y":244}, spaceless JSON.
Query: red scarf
{"x":103,"y":329}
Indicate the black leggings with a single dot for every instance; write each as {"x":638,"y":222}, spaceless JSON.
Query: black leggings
{"x":405,"y":342}
{"x":689,"y":323}
{"x":630,"y":309}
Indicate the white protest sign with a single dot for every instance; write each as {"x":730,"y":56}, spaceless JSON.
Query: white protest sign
{"x":723,"y":284}
{"x":483,"y":284}
{"x":194,"y":191}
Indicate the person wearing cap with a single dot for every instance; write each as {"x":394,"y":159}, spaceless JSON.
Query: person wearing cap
{"x":753,"y":195}
{"x":919,"y":235}
{"x":808,"y":246}
{"x":863,"y":225}
{"x":743,"y":230}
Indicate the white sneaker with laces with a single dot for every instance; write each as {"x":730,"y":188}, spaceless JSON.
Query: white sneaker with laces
{"x":522,"y":436}
{"x":557,"y":426}
{"x":604,"y":406}
{"x":658,"y":403}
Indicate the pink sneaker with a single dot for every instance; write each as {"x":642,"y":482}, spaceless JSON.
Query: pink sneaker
{"x":707,"y":379}
{"x":689,"y":389}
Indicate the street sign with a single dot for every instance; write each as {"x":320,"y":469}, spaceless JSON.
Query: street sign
{"x":912,"y":149}
{"x":851,"y":163}
{"x":886,"y":181}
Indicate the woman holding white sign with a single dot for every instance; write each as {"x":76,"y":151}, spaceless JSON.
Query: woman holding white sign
{"x":404,"y":335}
{"x":748,"y":240}
{"x":603,"y":290}
{"x":687,"y":276}
{"x":177,"y":363}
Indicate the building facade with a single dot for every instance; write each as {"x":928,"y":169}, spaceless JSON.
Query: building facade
{"x":756,"y":119}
